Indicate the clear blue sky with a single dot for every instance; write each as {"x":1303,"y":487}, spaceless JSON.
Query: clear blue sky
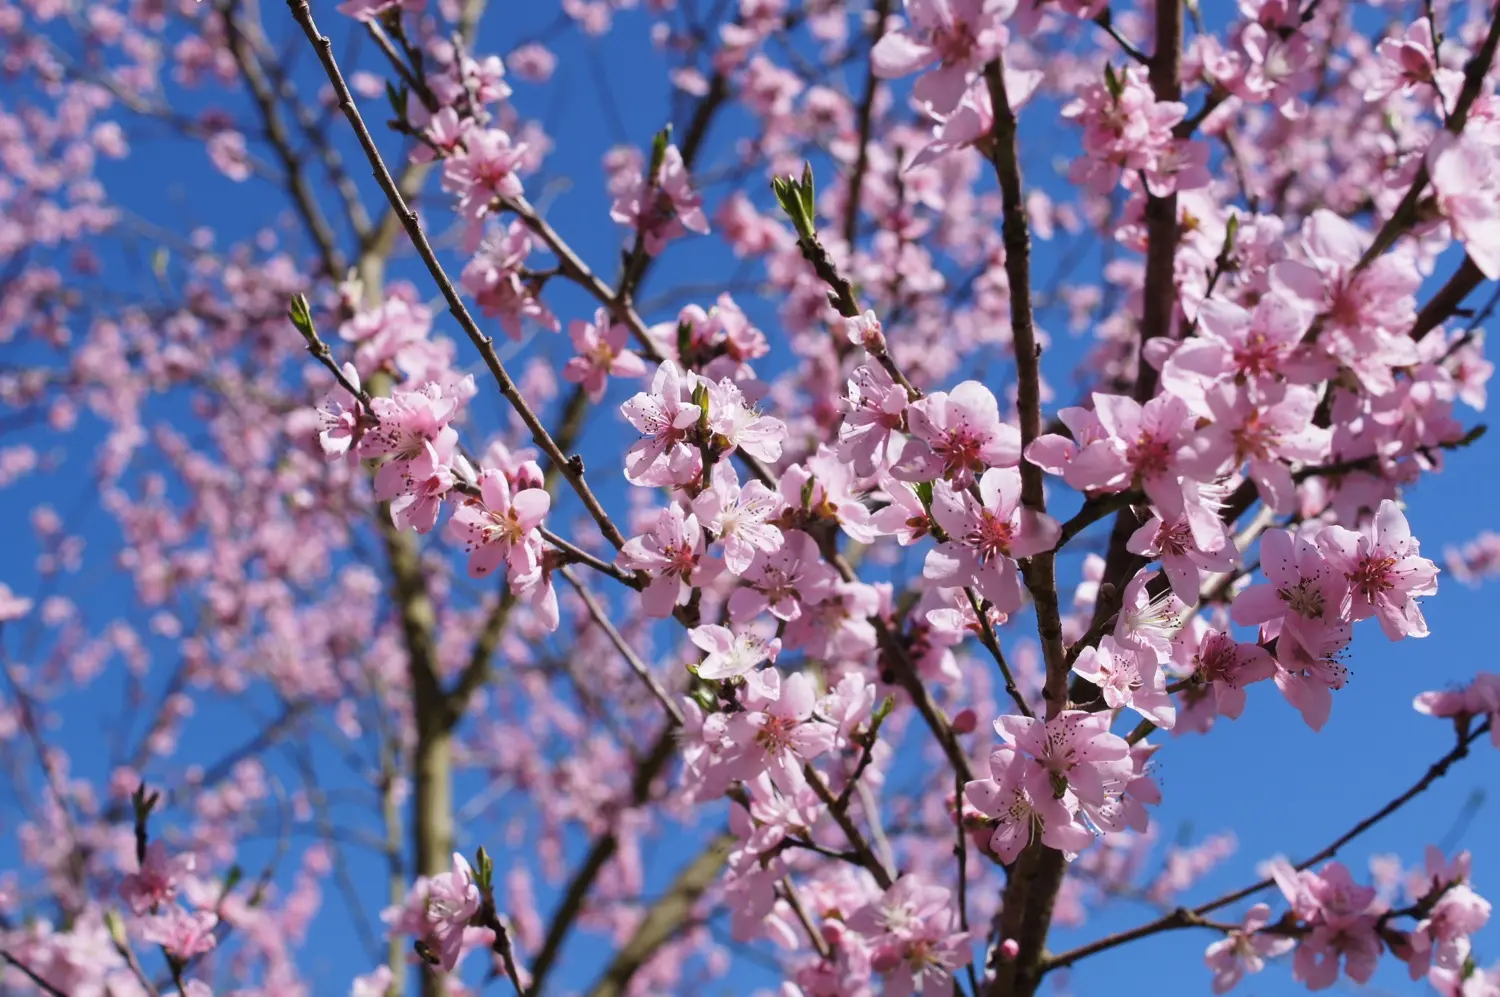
{"x":1272,"y":782}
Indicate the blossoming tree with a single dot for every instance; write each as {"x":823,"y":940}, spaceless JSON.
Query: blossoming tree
{"x":800,"y":615}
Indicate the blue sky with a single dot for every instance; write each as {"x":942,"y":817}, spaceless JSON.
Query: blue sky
{"x":1280,"y":788}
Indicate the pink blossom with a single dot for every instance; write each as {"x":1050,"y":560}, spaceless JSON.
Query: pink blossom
{"x":157,"y":880}
{"x":957,"y":435}
{"x":663,"y":207}
{"x":986,"y":535}
{"x":1181,"y":560}
{"x":1125,"y":128}
{"x":1128,"y":679}
{"x":960,"y":35}
{"x":1303,"y":590}
{"x":451,"y":903}
{"x":427,"y":480}
{"x":663,"y":417}
{"x":738,"y":425}
{"x":776,"y":732}
{"x":1442,"y":937}
{"x":1245,"y":950}
{"x":731,"y":654}
{"x":783,"y":581}
{"x":874,"y":410}
{"x":738,"y":517}
{"x":370,"y":10}
{"x":1269,"y":428}
{"x":339,"y":423}
{"x":412,"y":428}
{"x":1225,"y":664}
{"x":917,"y":939}
{"x":601,"y":354}
{"x":493,"y":277}
{"x":1020,"y":801}
{"x":1075,"y":749}
{"x":481,"y":173}
{"x":1147,"y":446}
{"x":1463,"y":178}
{"x":1480,"y":698}
{"x":183,"y":934}
{"x":1384,"y":570}
{"x":12,"y":606}
{"x":673,"y":553}
{"x":501,"y":525}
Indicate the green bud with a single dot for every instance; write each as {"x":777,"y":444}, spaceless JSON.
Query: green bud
{"x":884,"y":709}
{"x":659,"y":145}
{"x":115,"y":927}
{"x":484,"y":869}
{"x":1112,"y":82}
{"x":809,"y":206}
{"x":301,"y":315}
{"x":924,"y":492}
{"x":1231,"y":229}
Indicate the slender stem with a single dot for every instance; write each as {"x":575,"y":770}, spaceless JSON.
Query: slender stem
{"x":571,"y":468}
{"x":642,"y":671}
{"x":1184,"y":918}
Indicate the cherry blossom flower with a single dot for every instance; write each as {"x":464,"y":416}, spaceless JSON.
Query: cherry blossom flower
{"x":874,"y":407}
{"x":1303,"y":590}
{"x":1128,"y":679}
{"x":776,"y":732}
{"x":1225,"y":664}
{"x":183,"y":934}
{"x":481,"y":173}
{"x":339,"y":424}
{"x":452,"y":901}
{"x":674,"y":553}
{"x":783,"y":581}
{"x":957,"y":435}
{"x":1022,"y":804}
{"x":158,"y":879}
{"x":1181,"y":560}
{"x":960,"y":35}
{"x":12,"y":606}
{"x":1480,"y":698}
{"x":985,"y":536}
{"x":731,"y":654}
{"x":501,"y":525}
{"x":661,"y":208}
{"x":663,"y":417}
{"x":493,"y":277}
{"x":917,"y":939}
{"x":601,"y":354}
{"x":1245,"y":950}
{"x":1384,"y":571}
{"x":1468,"y":196}
{"x":738,"y":517}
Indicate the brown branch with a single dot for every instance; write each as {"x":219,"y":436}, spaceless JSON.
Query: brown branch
{"x":866,"y":117}
{"x":295,"y":178}
{"x":668,"y":916}
{"x":642,"y":670}
{"x":31,"y":975}
{"x":1448,"y":298}
{"x":1039,"y":571}
{"x":599,"y":853}
{"x":1183,"y":918}
{"x":852,"y":833}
